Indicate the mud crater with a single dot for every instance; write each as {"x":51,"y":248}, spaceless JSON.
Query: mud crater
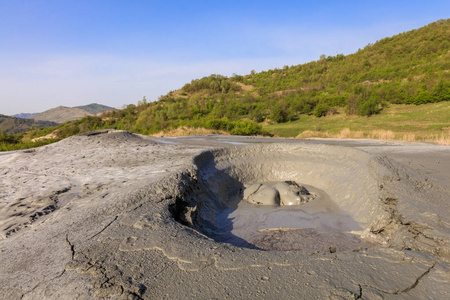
{"x":282,"y":198}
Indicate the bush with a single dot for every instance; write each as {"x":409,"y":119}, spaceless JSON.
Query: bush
{"x":257,"y":115}
{"x":278,"y":115}
{"x":320,"y":110}
{"x":246,"y":128}
{"x":368,"y":107}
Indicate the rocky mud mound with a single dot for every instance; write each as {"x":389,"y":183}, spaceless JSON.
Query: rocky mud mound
{"x":21,"y":212}
{"x":109,"y":137}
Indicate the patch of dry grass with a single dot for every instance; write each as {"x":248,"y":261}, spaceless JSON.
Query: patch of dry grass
{"x":184,"y":131}
{"x":346,"y":133}
{"x":54,"y":135}
{"x":313,"y":134}
{"x":442,"y":139}
{"x":382,"y":134}
{"x":409,"y":137}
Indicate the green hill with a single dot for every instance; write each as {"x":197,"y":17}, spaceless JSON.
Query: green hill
{"x":411,"y":68}
{"x":95,"y":108}
{"x":13,"y":125}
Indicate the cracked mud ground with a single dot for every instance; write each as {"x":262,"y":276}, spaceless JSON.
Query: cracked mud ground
{"x":99,"y":216}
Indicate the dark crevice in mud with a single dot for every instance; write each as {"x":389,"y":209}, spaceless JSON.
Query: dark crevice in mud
{"x":183,"y":212}
{"x":60,"y":275}
{"x":184,"y":206}
{"x":409,"y":288}
{"x":137,"y":207}
{"x":104,"y":228}
{"x":416,"y":282}
{"x":72,"y":246}
{"x":135,"y":296}
{"x":30,"y":291}
{"x":359,"y":296}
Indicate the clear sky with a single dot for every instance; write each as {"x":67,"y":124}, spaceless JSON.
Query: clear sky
{"x":114,"y":52}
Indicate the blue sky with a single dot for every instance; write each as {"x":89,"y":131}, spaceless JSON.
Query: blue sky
{"x":57,"y":52}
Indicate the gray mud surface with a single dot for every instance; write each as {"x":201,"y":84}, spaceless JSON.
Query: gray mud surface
{"x":113,"y":215}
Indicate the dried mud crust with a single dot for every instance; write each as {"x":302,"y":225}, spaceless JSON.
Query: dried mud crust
{"x":124,"y":237}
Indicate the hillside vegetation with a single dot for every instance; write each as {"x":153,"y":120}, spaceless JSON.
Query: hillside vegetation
{"x":411,"y":68}
{"x":95,"y":108}
{"x":13,"y":125}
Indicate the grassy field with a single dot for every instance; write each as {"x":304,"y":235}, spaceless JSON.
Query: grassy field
{"x":429,"y":122}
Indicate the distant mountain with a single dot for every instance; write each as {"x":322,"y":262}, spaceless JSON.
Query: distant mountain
{"x":23,"y":115}
{"x":62,"y":114}
{"x":95,"y":108}
{"x":13,"y":125}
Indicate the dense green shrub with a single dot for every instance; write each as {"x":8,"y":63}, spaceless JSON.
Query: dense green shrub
{"x":320,"y":110}
{"x":368,"y":107}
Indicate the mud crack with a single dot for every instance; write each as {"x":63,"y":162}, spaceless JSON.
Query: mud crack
{"x":104,"y":228}
{"x":359,"y":296}
{"x":392,"y":229}
{"x":72,"y":246}
{"x":107,"y":279}
{"x":398,"y":292}
{"x":40,"y":283}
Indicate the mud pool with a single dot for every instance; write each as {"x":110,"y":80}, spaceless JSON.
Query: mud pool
{"x":344,"y":211}
{"x":318,"y":225}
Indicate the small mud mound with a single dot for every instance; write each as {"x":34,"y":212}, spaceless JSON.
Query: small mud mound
{"x":114,"y":137}
{"x":107,"y":137}
{"x":281,"y":193}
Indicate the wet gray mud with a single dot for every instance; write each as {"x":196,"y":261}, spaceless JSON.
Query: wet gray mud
{"x":144,"y":218}
{"x":317,"y":225}
{"x":344,"y":206}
